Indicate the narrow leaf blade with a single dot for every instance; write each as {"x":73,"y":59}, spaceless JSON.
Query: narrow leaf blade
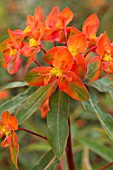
{"x":57,"y":120}
{"x":14,"y":85}
{"x":99,"y":149}
{"x":34,"y":102}
{"x":12,"y":104}
{"x":105,"y":119}
{"x":46,"y":161}
{"x":103,"y":85}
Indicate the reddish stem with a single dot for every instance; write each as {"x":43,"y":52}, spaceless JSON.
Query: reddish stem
{"x":54,"y":44}
{"x":43,"y":49}
{"x":93,"y":48}
{"x":106,"y":166}
{"x":69,"y":153}
{"x":33,"y":133}
{"x":65,"y":35}
{"x":37,"y":63}
{"x":61,"y":165}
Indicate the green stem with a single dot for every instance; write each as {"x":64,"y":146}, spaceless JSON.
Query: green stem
{"x":33,"y":133}
{"x":69,"y":153}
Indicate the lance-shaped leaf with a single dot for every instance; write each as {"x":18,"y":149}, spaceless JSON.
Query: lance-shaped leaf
{"x":47,"y":160}
{"x":34,"y":102}
{"x":57,"y":120}
{"x":14,"y":85}
{"x":105,"y":119}
{"x":94,"y":68}
{"x":103,"y":85}
{"x":98,"y":148}
{"x":12,"y":104}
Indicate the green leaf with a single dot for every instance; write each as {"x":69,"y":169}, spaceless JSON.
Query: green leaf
{"x":99,"y":149}
{"x":14,"y":85}
{"x":46,"y":161}
{"x":34,"y":102}
{"x":36,"y":147}
{"x":105,"y":119}
{"x":103,"y":85}
{"x":86,"y":160}
{"x":57,"y":120}
{"x":12,"y":104}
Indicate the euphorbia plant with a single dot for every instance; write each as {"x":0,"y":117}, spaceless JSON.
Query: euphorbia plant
{"x":75,"y":65}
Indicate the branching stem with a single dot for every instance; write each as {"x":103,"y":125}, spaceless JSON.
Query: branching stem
{"x":108,"y":165}
{"x":33,"y":133}
{"x":37,"y":63}
{"x":93,"y":48}
{"x":43,"y":49}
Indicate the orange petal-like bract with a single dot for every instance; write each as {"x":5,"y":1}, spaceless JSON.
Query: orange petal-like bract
{"x":49,"y":56}
{"x":91,"y":25}
{"x":44,"y":108}
{"x":74,"y":87}
{"x":77,"y":43}
{"x":67,"y":15}
{"x":40,"y":76}
{"x":79,"y":66}
{"x":63,"y":59}
{"x":103,"y":44}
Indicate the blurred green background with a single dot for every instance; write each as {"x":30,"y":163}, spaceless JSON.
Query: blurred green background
{"x":13,"y":15}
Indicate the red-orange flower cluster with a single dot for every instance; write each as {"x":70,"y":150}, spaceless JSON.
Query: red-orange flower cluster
{"x":67,"y":61}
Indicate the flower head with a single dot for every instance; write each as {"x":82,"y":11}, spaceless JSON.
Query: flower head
{"x":8,"y":125}
{"x":105,"y":51}
{"x":60,"y":71}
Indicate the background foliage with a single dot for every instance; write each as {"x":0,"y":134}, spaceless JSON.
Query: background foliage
{"x":91,"y":146}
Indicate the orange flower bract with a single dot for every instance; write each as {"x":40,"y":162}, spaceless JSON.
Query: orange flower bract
{"x":8,"y":125}
{"x":62,"y":63}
